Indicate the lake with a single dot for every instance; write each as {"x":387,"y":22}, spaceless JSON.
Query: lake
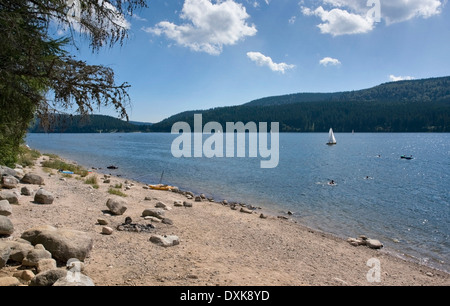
{"x":403,"y":203}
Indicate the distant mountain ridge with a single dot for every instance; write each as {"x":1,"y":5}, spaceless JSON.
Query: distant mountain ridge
{"x":403,"y":106}
{"x":424,"y":90}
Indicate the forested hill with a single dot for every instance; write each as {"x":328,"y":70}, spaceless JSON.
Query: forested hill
{"x":425,"y":90}
{"x":89,"y":124}
{"x":405,"y":106}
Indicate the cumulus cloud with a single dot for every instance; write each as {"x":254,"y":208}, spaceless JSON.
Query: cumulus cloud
{"x":262,"y":60}
{"x":208,"y":26}
{"x":340,"y":22}
{"x":394,"y":78}
{"x":343,"y":17}
{"x":328,"y":61}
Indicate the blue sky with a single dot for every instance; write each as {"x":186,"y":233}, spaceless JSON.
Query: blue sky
{"x":199,"y":54}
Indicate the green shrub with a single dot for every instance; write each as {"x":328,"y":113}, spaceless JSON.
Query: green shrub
{"x":116,"y":192}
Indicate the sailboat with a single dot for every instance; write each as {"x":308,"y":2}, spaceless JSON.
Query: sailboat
{"x":331,"y":138}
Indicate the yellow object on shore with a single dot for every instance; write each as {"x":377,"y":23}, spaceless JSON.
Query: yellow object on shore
{"x":161,"y":187}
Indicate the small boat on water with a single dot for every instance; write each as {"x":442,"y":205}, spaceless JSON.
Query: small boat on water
{"x":331,"y":138}
{"x":406,"y":157}
{"x":112,"y":167}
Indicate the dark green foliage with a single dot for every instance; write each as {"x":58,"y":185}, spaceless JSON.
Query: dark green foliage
{"x":407,"y":106}
{"x":88,"y":124}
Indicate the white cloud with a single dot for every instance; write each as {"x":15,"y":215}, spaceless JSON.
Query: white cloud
{"x":262,"y":60}
{"x":340,"y":22}
{"x":209,"y":26}
{"x":394,"y":78}
{"x":351,"y":17}
{"x":329,"y":61}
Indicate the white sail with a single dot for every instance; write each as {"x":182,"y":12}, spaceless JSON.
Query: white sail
{"x":331,"y":138}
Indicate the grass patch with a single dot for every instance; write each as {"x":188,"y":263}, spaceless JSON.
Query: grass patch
{"x":118,"y":186}
{"x":92,"y":180}
{"x":51,"y":155}
{"x":117,"y":192}
{"x":61,"y":165}
{"x":27,"y":157}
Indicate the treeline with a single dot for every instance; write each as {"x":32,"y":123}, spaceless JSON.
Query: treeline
{"x":86,"y":124}
{"x":342,"y":116}
{"x":424,"y":90}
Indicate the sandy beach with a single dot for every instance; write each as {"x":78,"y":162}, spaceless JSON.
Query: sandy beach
{"x":217,"y":245}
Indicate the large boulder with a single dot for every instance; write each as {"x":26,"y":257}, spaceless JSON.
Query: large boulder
{"x":32,"y":179}
{"x":8,"y":171}
{"x":6,"y":226}
{"x":43,"y":196}
{"x":9,"y":182}
{"x":63,"y":244}
{"x":117,"y":206}
{"x":5,"y":208}
{"x":11,"y":196}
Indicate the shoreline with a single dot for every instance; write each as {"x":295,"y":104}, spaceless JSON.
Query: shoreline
{"x":218,"y":245}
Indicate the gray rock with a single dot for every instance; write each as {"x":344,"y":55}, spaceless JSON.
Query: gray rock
{"x":187,"y":204}
{"x":32,"y":179}
{"x":167,"y":221}
{"x":177,"y":203}
{"x":48,"y":278}
{"x":246,"y":210}
{"x":153,"y":212}
{"x":165,"y":241}
{"x":8,"y":171}
{"x":10,"y":196}
{"x":161,"y":205}
{"x":34,"y":256}
{"x":9,"y":182}
{"x":79,"y":280}
{"x":43,"y":196}
{"x":26,"y":275}
{"x":5,"y":252}
{"x":63,"y":244}
{"x":6,"y":226}
{"x":374,"y":244}
{"x":5,"y":208}
{"x":26,"y":191}
{"x":198,"y":199}
{"x":117,"y":206}
{"x":18,"y":250}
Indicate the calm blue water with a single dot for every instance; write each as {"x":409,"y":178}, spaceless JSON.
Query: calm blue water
{"x":405,"y":204}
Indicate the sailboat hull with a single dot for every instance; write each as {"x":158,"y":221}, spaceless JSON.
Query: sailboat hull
{"x":331,"y":144}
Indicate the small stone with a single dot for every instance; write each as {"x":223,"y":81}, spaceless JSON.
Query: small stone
{"x":161,"y":205}
{"x":148,"y":199}
{"x":167,"y":221}
{"x":107,"y":230}
{"x":198,"y":199}
{"x":154,"y":212}
{"x":45,"y":265}
{"x":187,"y":204}
{"x":263,"y":216}
{"x":26,"y":275}
{"x":374,"y":244}
{"x":225,"y":202}
{"x":165,"y":241}
{"x":178,"y":203}
{"x":102,"y":221}
{"x":26,"y":191}
{"x":153,"y":219}
{"x":246,"y":210}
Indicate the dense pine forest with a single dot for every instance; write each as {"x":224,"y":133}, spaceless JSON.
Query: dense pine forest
{"x":405,"y":106}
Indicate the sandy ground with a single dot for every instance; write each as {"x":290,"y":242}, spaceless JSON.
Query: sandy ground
{"x":218,"y":245}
